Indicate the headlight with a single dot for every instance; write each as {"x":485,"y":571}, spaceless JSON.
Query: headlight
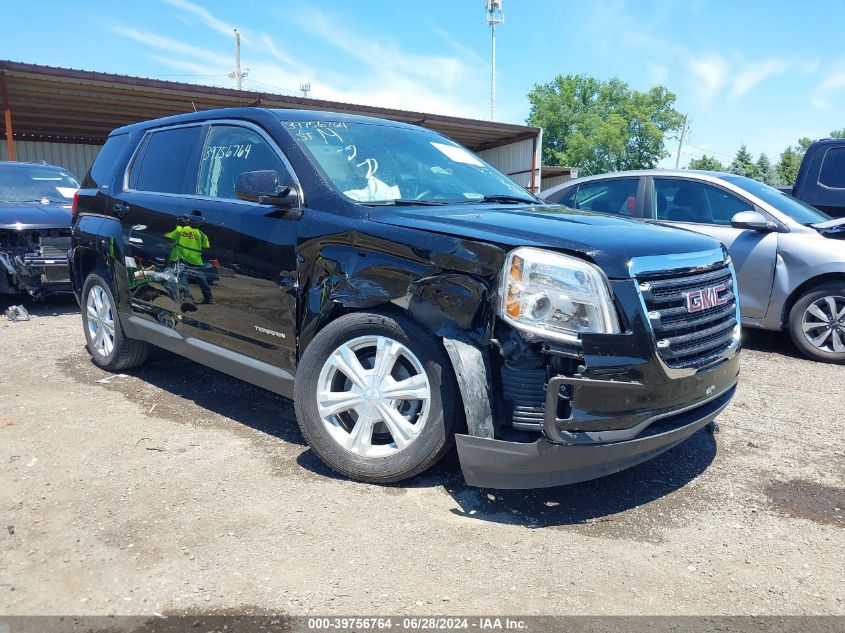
{"x":555,"y":296}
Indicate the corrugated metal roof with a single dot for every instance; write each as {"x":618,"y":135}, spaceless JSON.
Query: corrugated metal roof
{"x":62,"y":104}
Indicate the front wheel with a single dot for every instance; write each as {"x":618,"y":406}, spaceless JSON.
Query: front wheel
{"x":376,"y":398}
{"x":817,"y":323}
{"x":109,"y":347}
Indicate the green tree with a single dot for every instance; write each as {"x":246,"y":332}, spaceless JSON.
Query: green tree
{"x":743,"y":163}
{"x":838,"y":133}
{"x":766,"y":171}
{"x":600,"y":126}
{"x":706,"y":163}
{"x":803,"y":144}
{"x":787,"y":167}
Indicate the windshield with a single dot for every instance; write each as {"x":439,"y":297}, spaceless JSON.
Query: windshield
{"x":19,"y":183}
{"x":786,"y":204}
{"x":382,"y":164}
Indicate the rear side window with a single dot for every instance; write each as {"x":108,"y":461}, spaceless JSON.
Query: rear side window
{"x":833,"y":168}
{"x":618,"y":196}
{"x":101,"y":173}
{"x":165,"y":165}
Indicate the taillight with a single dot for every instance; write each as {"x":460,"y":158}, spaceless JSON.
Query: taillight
{"x":73,"y":207}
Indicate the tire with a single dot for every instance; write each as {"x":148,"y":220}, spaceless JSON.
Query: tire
{"x":350,"y":434}
{"x":817,"y":323}
{"x":108,"y":345}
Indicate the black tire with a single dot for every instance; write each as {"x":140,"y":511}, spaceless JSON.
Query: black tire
{"x":436,"y":435}
{"x":826,"y":353}
{"x":125,"y":353}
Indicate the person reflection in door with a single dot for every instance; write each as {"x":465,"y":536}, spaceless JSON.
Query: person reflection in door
{"x":186,"y":257}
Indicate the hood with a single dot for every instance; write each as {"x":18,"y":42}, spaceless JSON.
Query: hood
{"x":34,"y":215}
{"x":609,"y":241}
{"x":831,"y":228}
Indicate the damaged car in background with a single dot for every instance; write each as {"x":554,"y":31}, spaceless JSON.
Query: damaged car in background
{"x":35,"y":215}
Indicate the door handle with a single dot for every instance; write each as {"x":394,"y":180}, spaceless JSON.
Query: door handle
{"x":120,"y":209}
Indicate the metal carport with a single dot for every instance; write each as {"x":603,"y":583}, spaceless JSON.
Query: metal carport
{"x":63,"y":116}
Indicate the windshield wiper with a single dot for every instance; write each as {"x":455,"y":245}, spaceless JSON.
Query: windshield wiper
{"x":504,"y":199}
{"x":404,"y":202}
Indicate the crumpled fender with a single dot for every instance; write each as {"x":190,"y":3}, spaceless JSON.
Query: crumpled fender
{"x":445,"y":284}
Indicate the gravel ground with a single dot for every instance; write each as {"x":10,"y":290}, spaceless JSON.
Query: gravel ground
{"x":177,"y":489}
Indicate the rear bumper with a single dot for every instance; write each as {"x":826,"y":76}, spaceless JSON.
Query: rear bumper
{"x":491,"y":463}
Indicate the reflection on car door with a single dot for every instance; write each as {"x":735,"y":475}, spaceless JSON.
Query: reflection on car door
{"x":173,"y":245}
{"x":617,"y":196}
{"x":708,"y":209}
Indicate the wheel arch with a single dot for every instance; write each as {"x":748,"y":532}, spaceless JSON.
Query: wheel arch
{"x":98,"y":245}
{"x":803,"y":288}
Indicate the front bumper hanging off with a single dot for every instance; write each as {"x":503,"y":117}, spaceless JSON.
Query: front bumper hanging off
{"x":560,"y":458}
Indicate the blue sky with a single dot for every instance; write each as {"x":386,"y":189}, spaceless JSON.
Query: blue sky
{"x":760,"y":72}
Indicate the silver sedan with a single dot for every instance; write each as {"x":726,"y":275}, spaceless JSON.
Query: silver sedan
{"x":789,"y":257}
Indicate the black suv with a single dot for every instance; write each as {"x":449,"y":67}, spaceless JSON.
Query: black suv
{"x":405,"y":294}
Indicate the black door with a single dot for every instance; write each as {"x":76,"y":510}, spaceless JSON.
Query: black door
{"x":255,"y":301}
{"x":175,"y":245}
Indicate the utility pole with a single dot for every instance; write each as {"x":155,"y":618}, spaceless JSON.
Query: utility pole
{"x":305,"y":88}
{"x":681,"y":142}
{"x":237,"y":75}
{"x":494,"y":16}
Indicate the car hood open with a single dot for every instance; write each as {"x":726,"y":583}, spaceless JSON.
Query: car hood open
{"x":607,"y":240}
{"x":34,"y":215}
{"x":831,"y":228}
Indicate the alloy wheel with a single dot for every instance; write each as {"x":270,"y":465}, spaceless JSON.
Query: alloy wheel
{"x":823,"y":324}
{"x":100,"y":321}
{"x":373,"y":396}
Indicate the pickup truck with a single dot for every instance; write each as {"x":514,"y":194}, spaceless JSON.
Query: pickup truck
{"x":821,"y":177}
{"x":404,"y":293}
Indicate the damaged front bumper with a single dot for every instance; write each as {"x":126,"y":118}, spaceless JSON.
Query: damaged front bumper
{"x":491,"y":463}
{"x":39,"y":274}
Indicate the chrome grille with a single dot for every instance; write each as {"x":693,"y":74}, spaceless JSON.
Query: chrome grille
{"x":690,"y":339}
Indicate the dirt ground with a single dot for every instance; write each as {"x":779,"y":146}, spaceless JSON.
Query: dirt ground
{"x":178,"y":489}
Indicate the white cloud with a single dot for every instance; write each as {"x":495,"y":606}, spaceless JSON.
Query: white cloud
{"x":811,"y":66}
{"x":372,"y":70}
{"x":459,"y":47}
{"x":751,"y":74}
{"x":170,"y":45}
{"x":270,"y":47}
{"x":657,"y":72}
{"x":212,"y":22}
{"x":711,"y":72}
{"x":824,"y":94}
{"x":716,"y":75}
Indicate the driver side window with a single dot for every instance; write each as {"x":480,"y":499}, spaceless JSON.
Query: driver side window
{"x":229,"y":151}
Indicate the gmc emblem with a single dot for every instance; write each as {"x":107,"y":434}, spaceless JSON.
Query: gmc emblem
{"x":706,"y":298}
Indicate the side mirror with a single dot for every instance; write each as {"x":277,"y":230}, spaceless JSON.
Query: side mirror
{"x":752,"y":220}
{"x":263,"y":187}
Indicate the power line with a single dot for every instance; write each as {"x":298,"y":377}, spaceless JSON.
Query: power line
{"x":186,"y":75}
{"x":709,"y":151}
{"x":284,"y":91}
